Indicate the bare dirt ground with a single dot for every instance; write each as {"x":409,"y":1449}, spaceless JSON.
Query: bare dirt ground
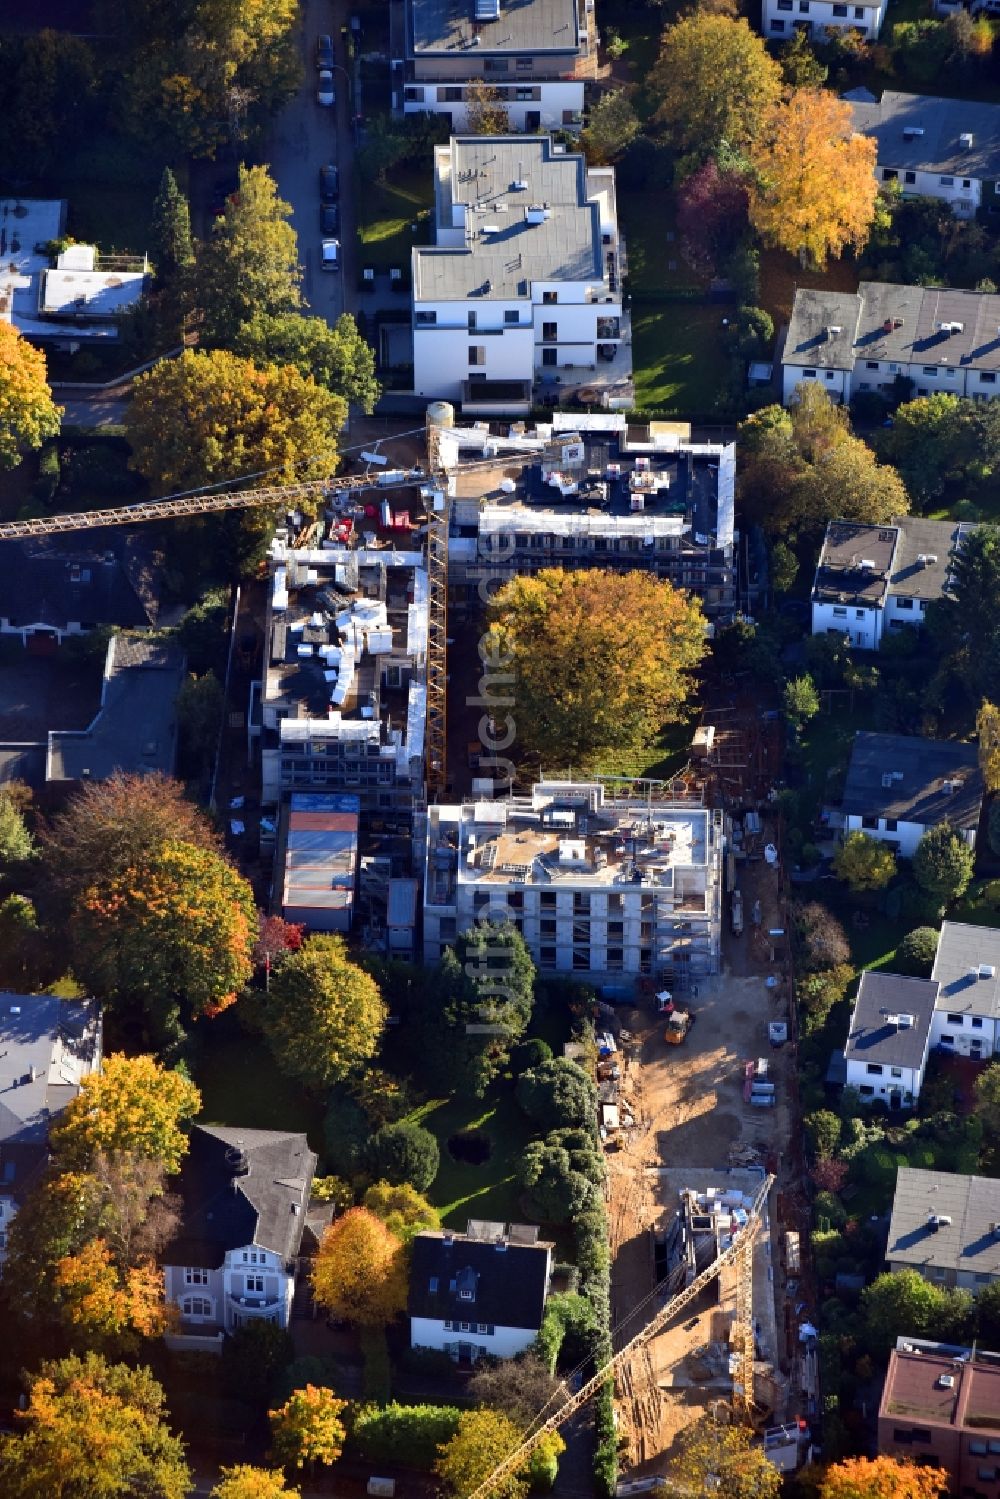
{"x":689,"y":1110}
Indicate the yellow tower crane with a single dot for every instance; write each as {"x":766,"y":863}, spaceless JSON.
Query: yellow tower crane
{"x":739,"y":1254}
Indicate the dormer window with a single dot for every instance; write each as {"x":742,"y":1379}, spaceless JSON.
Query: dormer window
{"x":467,"y":1295}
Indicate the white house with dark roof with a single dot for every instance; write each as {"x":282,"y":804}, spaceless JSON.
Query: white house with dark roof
{"x":888,"y":1042}
{"x":536,"y":54}
{"x":47,"y":1047}
{"x":519,"y":299}
{"x":483,"y":1291}
{"x":782,"y":18}
{"x":899,"y":785}
{"x":967,"y":972}
{"x":935,"y":148}
{"x":938,"y":337}
{"x":245,"y":1197}
{"x":946,"y":1227}
{"x":870,"y":579}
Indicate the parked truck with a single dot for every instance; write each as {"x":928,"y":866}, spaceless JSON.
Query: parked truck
{"x":736,"y":913}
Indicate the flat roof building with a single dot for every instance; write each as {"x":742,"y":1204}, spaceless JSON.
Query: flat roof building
{"x":941,"y":1405}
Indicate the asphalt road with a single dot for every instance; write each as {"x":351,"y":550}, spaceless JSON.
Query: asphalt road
{"x":306,"y":136}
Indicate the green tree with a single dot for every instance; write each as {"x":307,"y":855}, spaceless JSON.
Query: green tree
{"x":480,"y":1004}
{"x":199,"y":719}
{"x":173,"y":247}
{"x":16,"y":843}
{"x":965,"y":621}
{"x":28,"y":414}
{"x":402,"y":1209}
{"x":595,"y":660}
{"x":823,"y":1133}
{"x":253,"y":1356}
{"x":800,"y":65}
{"x":784,"y":565}
{"x":95,"y":1429}
{"x":250,"y":263}
{"x":714,"y":1459}
{"x":210,"y":417}
{"x":864,"y":863}
{"x":930,"y":439}
{"x":133,"y":1104}
{"x":177,"y":928}
{"x":916,"y":953}
{"x":558,"y":1094}
{"x":612,"y":125}
{"x":988,"y":1315}
{"x":819,"y":991}
{"x":800,"y":701}
{"x":308,"y":1428}
{"x":324,"y":1015}
{"x":336,"y":357}
{"x":48,"y":89}
{"x":903,"y":1302}
{"x":943,"y":863}
{"x":987,"y":1090}
{"x":483,"y":1440}
{"x":404,"y":1153}
{"x":848,"y":483}
{"x":555,"y":1192}
{"x":696,"y":54}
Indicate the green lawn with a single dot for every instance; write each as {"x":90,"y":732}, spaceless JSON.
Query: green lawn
{"x":679,"y":366}
{"x":649,"y":227}
{"x":461,"y":1191}
{"x":386,"y":213}
{"x":241,"y":1085}
{"x":663,"y":757}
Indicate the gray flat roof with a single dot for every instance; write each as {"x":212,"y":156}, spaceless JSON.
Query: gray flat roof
{"x":967,"y":1243}
{"x":508,"y":252}
{"x":896,"y":118}
{"x":925,"y":539}
{"x":839,"y":573}
{"x":904,"y":776}
{"x":136,"y":728}
{"x":449,"y":27}
{"x":903,"y":324}
{"x":876,"y":1035}
{"x":962,"y":948}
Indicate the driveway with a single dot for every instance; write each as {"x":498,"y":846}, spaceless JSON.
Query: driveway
{"x":303,"y":138}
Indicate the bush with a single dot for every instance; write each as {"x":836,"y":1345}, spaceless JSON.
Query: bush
{"x":407,"y":1434}
{"x":530,"y":1054}
{"x":820,"y":938}
{"x":567,"y":1318}
{"x":819,"y":992}
{"x":916,"y":953}
{"x":864,"y":863}
{"x":558,"y":1093}
{"x":49,"y":472}
{"x":823,"y":1133}
{"x":404,"y":1153}
{"x":377,"y":1377}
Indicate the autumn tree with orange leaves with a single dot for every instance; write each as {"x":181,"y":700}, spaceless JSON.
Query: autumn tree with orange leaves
{"x":308,"y":1428}
{"x":581,"y":662}
{"x":882,"y":1478}
{"x":814,"y":188}
{"x":132,"y":1105}
{"x":359,"y":1273}
{"x":111,"y":1306}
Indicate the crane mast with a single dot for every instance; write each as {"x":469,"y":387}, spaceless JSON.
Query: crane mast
{"x":738,"y":1253}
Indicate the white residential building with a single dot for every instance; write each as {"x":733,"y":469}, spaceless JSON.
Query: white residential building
{"x":597,"y":885}
{"x":889,"y":1038}
{"x":899,"y":785}
{"x":536,"y":55}
{"x":47,"y":1047}
{"x":939,"y":338}
{"x":245,"y":1197}
{"x":782,"y":18}
{"x":944,"y":1226}
{"x":873,"y":579}
{"x":342,"y":705}
{"x":519,"y":299}
{"x":935,"y":148}
{"x":967,"y":972}
{"x":481,"y":1292}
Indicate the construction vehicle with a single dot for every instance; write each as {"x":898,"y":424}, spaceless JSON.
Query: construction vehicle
{"x":738,"y":1252}
{"x":679,"y":1022}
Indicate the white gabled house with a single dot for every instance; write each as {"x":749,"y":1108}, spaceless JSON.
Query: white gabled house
{"x":967,"y":1012}
{"x":889,"y":1038}
{"x":481,"y":1292}
{"x":782,"y":18}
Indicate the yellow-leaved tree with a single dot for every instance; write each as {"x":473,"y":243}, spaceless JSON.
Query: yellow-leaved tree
{"x":595,"y":661}
{"x":245,"y":1482}
{"x":27,"y":412}
{"x":882,"y":1478}
{"x":988,"y":730}
{"x":484,"y":1439}
{"x":308,"y":1428}
{"x":359,"y":1273}
{"x":134,"y":1104}
{"x":814,"y":188}
{"x":111,"y":1304}
{"x":713,"y":81}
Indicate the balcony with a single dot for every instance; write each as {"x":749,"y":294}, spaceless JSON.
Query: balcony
{"x":607,"y":382}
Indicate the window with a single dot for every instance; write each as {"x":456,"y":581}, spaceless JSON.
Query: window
{"x":255,"y":1285}
{"x":947,"y":1040}
{"x":859,"y":614}
{"x":784,"y":4}
{"x":523,"y":64}
{"x":477,"y":354}
{"x":840,"y":10}
{"x":196,"y":1306}
{"x":486,"y":1328}
{"x":871,"y":364}
{"x":829,"y":374}
{"x":955,"y":1020}
{"x":904,"y":603}
{"x":947,"y":181}
{"x":465,"y":1327}
{"x":966,"y":182}
{"x":984,"y":1280}
{"x":977,"y":1023}
{"x":910,"y":177}
{"x":495,"y":65}
{"x":987,"y":377}
{"x":986,"y":1474}
{"x":866,"y":1090}
{"x":432,"y":1284}
{"x":993,"y":1446}
{"x":839,"y":612}
{"x":929,"y":369}
{"x":889,"y":174}
{"x":803,"y":7}
{"x":870,"y":822}
{"x":859,"y":12}
{"x":472,"y":319}
{"x":901,"y":1437}
{"x":921,"y":1434}
{"x":512,"y":318}
{"x":195,"y":1276}
{"x":550,"y":332}
{"x":466,"y":1295}
{"x":891,"y":824}
{"x":546,"y":957}
{"x":450,"y":95}
{"x":425,"y":319}
{"x":550,"y":356}
{"x":777,"y":25}
{"x":895,"y":1072}
{"x":874,"y":1069}
{"x":977,"y":1448}
{"x":808,"y":374}
{"x":550,"y":297}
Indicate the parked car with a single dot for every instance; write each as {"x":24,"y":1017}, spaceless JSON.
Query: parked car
{"x":324,"y":51}
{"x":329,"y":218}
{"x":329,"y":184}
{"x":331,"y":255}
{"x":325,"y":92}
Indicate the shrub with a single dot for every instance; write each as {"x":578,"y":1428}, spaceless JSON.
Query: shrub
{"x":819,"y":992}
{"x":407,"y":1434}
{"x":404,"y":1153}
{"x":530,"y":1054}
{"x":567,"y":1317}
{"x":864,"y":863}
{"x":558,"y":1094}
{"x":943,"y":863}
{"x":823,"y":1133}
{"x":915,"y":954}
{"x":253,"y":1357}
{"x":819,"y":936}
{"x":49,"y":471}
{"x":377,"y":1377}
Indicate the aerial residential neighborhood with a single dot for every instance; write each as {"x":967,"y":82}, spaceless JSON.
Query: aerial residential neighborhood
{"x":500,"y":749}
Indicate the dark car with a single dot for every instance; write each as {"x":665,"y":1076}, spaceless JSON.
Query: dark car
{"x":329,"y":218}
{"x":324,"y":51}
{"x":329,"y":184}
